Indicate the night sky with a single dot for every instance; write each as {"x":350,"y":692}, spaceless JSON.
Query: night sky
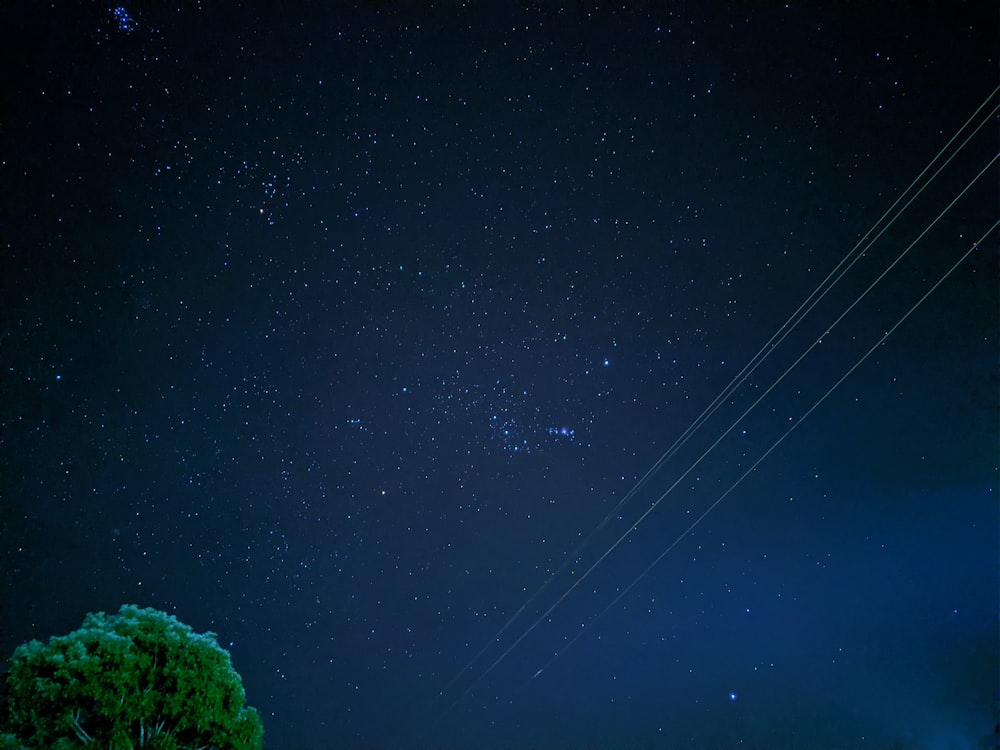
{"x":368,"y":336}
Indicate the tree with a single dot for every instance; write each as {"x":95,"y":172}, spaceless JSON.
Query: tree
{"x":137,"y":679}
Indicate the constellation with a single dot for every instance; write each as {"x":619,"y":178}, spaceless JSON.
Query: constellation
{"x":502,"y":416}
{"x":515,"y":437}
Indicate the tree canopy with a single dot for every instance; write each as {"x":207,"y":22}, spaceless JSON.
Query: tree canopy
{"x":135,"y":679}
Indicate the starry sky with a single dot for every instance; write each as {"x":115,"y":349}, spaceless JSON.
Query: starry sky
{"x":441,"y":358}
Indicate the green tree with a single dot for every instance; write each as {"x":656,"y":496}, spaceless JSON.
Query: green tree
{"x":136,"y":679}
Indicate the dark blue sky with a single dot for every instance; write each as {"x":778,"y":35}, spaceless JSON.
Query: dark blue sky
{"x":346,"y":331}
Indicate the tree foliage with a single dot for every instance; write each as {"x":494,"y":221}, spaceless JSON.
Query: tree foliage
{"x":136,"y":679}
